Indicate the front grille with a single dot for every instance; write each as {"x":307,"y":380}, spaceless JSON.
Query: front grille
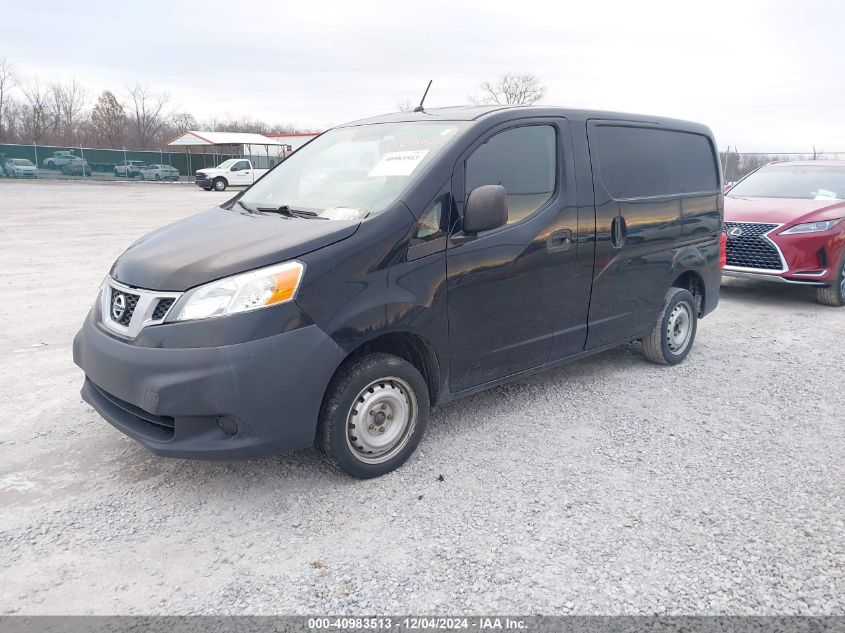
{"x":162,"y":307}
{"x":130,"y":300}
{"x":200,"y":176}
{"x":140,"y":308}
{"x":751,"y":249}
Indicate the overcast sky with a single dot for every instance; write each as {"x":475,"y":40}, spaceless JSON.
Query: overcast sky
{"x":765,"y":76}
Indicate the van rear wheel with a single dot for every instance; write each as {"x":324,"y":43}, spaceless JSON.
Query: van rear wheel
{"x":672,"y":337}
{"x":374,"y":415}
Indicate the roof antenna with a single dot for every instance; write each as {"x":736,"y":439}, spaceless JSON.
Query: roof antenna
{"x":420,"y":108}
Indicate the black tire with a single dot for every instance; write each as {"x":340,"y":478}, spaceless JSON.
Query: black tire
{"x":834,"y":294}
{"x":220,"y":184}
{"x":116,"y":173}
{"x":156,"y":177}
{"x":141,"y":177}
{"x":667,"y":344}
{"x":372,"y":376}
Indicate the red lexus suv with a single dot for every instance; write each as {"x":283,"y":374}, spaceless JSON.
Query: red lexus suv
{"x":784,"y":222}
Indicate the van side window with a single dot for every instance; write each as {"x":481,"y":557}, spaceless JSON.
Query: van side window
{"x":432,"y":223}
{"x":641,"y":162}
{"x":524,"y":161}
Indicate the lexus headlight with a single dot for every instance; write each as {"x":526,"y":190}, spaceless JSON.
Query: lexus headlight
{"x":811,"y":227}
{"x":241,"y":293}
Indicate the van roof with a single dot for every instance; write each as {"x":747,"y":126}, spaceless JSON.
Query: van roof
{"x":475,"y":113}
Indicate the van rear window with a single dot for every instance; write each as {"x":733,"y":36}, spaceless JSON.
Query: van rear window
{"x":641,"y":162}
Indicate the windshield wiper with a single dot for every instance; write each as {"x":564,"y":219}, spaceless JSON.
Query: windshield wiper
{"x":286,"y":211}
{"x":250,"y":209}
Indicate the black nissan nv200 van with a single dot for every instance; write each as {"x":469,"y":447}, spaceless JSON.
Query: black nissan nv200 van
{"x":399,"y":262}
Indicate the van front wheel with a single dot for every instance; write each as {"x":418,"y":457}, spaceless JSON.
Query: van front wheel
{"x":672,"y":337}
{"x":374,"y":415}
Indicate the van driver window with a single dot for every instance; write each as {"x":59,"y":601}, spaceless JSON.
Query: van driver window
{"x":524,"y":161}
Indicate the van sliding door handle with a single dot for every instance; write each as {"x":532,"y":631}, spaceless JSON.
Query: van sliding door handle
{"x":559,"y":240}
{"x":618,"y":232}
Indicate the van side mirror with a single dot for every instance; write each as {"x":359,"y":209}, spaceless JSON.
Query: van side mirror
{"x":486,"y":208}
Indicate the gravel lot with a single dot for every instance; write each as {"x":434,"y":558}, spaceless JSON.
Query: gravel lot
{"x":608,"y":486}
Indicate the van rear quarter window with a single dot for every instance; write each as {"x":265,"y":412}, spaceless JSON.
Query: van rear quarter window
{"x":639,"y":162}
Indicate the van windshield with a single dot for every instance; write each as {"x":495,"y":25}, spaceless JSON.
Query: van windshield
{"x":352,"y":172}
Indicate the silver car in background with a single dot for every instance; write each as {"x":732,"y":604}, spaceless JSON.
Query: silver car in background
{"x":158,"y":172}
{"x":20,"y":168}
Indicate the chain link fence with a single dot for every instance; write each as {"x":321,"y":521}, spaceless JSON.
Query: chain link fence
{"x":87,"y":163}
{"x":97,"y":164}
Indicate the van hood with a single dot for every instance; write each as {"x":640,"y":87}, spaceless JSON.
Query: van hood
{"x":218,"y":243}
{"x":781,"y":210}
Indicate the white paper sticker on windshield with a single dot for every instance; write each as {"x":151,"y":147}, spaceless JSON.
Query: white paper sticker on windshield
{"x":824,"y":194}
{"x":343,"y":213}
{"x":398,"y":163}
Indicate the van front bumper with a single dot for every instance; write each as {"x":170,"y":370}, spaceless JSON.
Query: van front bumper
{"x":260,"y":397}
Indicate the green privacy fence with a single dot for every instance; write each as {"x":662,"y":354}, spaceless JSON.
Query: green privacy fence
{"x":51,"y":161}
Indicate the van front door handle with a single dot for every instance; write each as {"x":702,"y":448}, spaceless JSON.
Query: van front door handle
{"x":559,"y":241}
{"x":618,"y":232}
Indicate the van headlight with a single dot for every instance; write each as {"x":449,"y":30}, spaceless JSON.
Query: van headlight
{"x":241,"y":293}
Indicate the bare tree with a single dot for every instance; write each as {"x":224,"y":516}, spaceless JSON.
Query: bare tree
{"x":148,"y":116}
{"x":67,"y":104}
{"x":13,"y":117}
{"x":511,"y":89}
{"x":406,"y":105}
{"x":247,"y":124}
{"x":59,"y":114}
{"x":182,"y":122}
{"x":35,"y":113}
{"x":8,"y":81}
{"x":109,"y":119}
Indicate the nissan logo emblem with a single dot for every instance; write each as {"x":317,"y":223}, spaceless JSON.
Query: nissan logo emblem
{"x":734,"y":232}
{"x":118,"y":306}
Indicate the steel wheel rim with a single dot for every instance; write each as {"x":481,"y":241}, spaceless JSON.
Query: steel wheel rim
{"x":381,"y":420}
{"x":679,"y":328}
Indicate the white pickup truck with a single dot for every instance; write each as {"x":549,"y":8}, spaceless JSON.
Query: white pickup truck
{"x":235,"y":172}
